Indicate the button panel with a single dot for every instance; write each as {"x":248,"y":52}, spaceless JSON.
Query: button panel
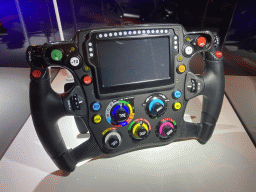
{"x":196,"y":42}
{"x":154,"y":107}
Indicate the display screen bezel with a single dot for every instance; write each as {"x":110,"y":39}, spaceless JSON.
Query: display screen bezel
{"x":94,"y":61}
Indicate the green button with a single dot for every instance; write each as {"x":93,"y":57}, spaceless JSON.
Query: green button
{"x":56,"y":55}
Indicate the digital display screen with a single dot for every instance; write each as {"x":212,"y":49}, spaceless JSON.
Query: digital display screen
{"x":132,"y":61}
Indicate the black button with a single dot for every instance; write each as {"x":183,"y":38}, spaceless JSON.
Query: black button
{"x":113,"y":141}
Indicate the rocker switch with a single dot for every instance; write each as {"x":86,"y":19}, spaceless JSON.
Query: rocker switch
{"x":75,"y":102}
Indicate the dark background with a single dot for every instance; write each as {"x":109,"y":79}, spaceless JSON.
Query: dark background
{"x":27,"y":22}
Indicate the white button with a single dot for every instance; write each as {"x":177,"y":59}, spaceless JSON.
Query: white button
{"x":143,"y":31}
{"x":90,"y":44}
{"x":91,"y":54}
{"x":100,"y":36}
{"x":166,"y":31}
{"x":139,"y":32}
{"x":125,"y":33}
{"x":148,"y":31}
{"x":134,"y":32}
{"x":153,"y":31}
{"x":120,"y":33}
{"x":175,"y":37}
{"x":110,"y":34}
{"x":157,"y":31}
{"x":161,"y":31}
{"x":105,"y":35}
{"x":129,"y":32}
{"x":188,"y":50}
{"x":115,"y":33}
{"x":175,"y":42}
{"x":175,"y":47}
{"x":90,"y":49}
{"x":74,"y":61}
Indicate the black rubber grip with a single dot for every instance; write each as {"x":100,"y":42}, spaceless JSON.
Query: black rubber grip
{"x":46,"y":109}
{"x":214,"y":80}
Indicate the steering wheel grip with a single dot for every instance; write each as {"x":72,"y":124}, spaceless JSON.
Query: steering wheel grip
{"x":46,"y":109}
{"x":213,"y":93}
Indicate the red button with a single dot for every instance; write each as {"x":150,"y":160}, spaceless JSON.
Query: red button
{"x":87,"y":80}
{"x":218,"y":54}
{"x":201,"y":41}
{"x":36,"y":74}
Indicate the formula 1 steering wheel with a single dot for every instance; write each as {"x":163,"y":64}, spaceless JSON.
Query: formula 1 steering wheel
{"x":123,"y":118}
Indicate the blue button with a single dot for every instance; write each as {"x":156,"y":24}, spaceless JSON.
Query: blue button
{"x":96,"y":106}
{"x":177,"y":94}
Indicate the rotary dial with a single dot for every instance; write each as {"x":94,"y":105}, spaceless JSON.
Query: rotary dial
{"x":120,"y":112}
{"x":166,"y":128}
{"x":155,"y":105}
{"x":139,"y":129}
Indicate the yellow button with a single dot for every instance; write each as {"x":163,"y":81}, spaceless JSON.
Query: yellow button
{"x":86,"y":68}
{"x":181,"y":69}
{"x":180,"y":58}
{"x":72,"y":49}
{"x":176,"y":106}
{"x":97,"y":119}
{"x":188,"y":39}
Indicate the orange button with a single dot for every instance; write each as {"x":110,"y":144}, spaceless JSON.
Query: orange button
{"x":218,"y":54}
{"x":36,"y":74}
{"x":87,"y":80}
{"x":181,"y":69}
{"x":201,"y":41}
